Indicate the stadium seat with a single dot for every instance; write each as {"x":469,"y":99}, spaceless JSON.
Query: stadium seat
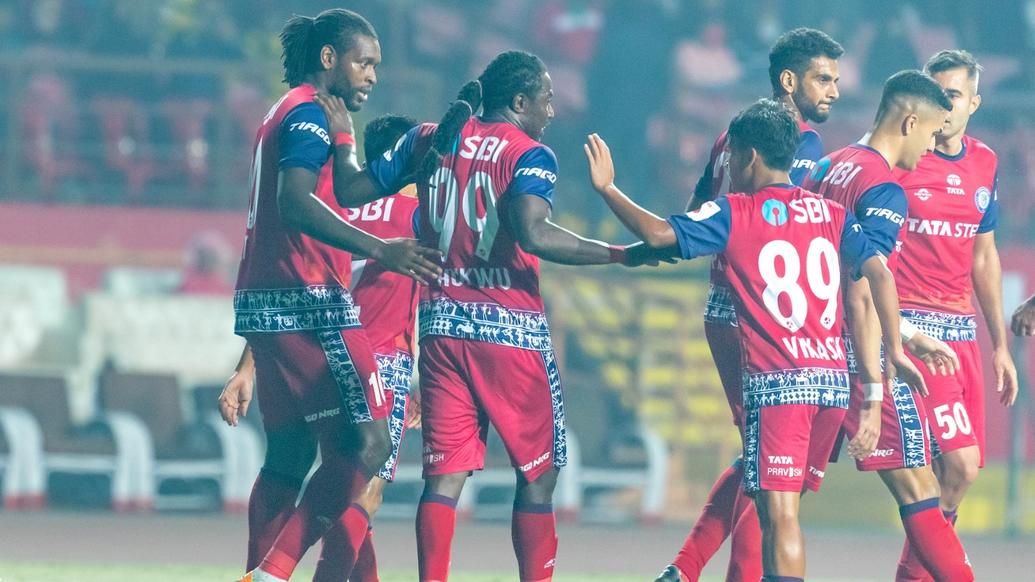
{"x":188,"y":121}
{"x":185,"y":448}
{"x":21,"y":460}
{"x":50,"y":122}
{"x":126,"y":130}
{"x":112,"y":445}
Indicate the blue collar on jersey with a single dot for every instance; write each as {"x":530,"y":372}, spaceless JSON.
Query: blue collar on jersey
{"x":954,"y":158}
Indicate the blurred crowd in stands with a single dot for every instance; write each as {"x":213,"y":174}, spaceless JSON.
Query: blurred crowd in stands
{"x":156,"y":103}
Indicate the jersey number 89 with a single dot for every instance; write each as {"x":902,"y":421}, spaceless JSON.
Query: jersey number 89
{"x":821,"y":256}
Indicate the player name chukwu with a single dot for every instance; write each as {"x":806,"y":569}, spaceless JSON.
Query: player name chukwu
{"x":477,"y":277}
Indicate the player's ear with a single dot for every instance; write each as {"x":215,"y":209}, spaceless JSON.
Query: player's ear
{"x":328,"y":56}
{"x":788,"y":81}
{"x":975,"y":103}
{"x":519,"y":103}
{"x":909,"y":123}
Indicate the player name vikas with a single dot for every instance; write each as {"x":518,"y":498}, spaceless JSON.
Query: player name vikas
{"x":942,"y":228}
{"x":829,"y":348}
{"x":479,"y":277}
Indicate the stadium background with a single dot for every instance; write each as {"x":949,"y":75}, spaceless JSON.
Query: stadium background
{"x":125,"y":153}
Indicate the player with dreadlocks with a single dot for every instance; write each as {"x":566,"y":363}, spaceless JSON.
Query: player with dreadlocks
{"x":314,"y":366}
{"x":485,"y":186}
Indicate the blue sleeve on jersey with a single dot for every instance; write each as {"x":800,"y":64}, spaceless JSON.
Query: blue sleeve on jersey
{"x":304,"y":141}
{"x":855,"y":246}
{"x":705,"y":231}
{"x":535,"y":174}
{"x":415,"y":221}
{"x":990,"y":220}
{"x":881,"y":211}
{"x":810,"y":150}
{"x":390,"y":170}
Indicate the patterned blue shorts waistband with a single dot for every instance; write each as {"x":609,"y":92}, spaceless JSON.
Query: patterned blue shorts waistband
{"x":719,"y":309}
{"x":816,"y":386}
{"x":317,"y":307}
{"x":487,"y":322}
{"x":949,"y":327}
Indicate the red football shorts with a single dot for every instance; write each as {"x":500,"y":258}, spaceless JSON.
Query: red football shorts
{"x":956,"y":404}
{"x":904,"y":441}
{"x":317,"y":377}
{"x":787,"y":446}
{"x":724,"y":343}
{"x":466,"y":385}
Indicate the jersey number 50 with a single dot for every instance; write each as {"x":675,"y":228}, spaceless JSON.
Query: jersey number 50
{"x":444,"y":199}
{"x":821,"y":256}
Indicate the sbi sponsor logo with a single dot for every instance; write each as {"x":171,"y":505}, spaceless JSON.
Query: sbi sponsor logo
{"x":774,"y":212}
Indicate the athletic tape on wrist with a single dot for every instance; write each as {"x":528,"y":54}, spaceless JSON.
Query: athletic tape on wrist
{"x":344,"y":139}
{"x":873,"y":392}
{"x":906,"y":329}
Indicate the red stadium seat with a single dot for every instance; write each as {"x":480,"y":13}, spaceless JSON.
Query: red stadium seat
{"x":126,"y":130}
{"x":188,"y":120}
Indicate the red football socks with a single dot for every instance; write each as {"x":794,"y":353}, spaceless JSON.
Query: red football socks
{"x":269,"y":506}
{"x":341,"y":546}
{"x":533,"y":530}
{"x":746,"y":551}
{"x":436,"y":522}
{"x":933,"y":550}
{"x":365,"y":569}
{"x":332,"y":487}
{"x":713,"y":525}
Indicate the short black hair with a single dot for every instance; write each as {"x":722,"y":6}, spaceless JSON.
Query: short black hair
{"x":303,"y":37}
{"x":770,"y":129}
{"x":794,"y":51}
{"x":509,"y":74}
{"x":953,"y":59}
{"x":911,"y":85}
{"x":382,"y":133}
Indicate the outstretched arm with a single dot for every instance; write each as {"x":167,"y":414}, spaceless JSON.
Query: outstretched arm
{"x":647,"y":226}
{"x":538,"y":235}
{"x":352,"y":185}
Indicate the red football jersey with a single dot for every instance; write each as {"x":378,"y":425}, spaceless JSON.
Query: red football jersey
{"x":489,"y":288}
{"x":860,"y":179}
{"x":783,"y":247}
{"x":387,"y":301}
{"x":715,"y":183}
{"x":288,"y":281}
{"x":951,"y":200}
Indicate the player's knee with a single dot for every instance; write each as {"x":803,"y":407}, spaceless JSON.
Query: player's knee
{"x":372,"y":496}
{"x":539,"y":491}
{"x":375,"y":447}
{"x":289,"y":452}
{"x":449,"y":485}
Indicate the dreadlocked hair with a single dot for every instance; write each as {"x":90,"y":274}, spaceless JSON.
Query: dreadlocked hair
{"x":448,"y":130}
{"x":303,"y":37}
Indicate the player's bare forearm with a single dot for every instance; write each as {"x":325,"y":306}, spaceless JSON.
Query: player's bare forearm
{"x":987,"y":277}
{"x":866,"y":330}
{"x":885,"y":302}
{"x":352,"y":185}
{"x":247,"y":361}
{"x":647,"y":226}
{"x":301,"y":210}
{"x":538,"y":235}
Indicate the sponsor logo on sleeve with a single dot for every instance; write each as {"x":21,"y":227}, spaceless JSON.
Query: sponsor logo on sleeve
{"x":312,"y":127}
{"x":982,"y":198}
{"x":706,"y":211}
{"x":537,"y":173}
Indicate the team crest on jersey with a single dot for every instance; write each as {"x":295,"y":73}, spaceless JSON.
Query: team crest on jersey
{"x":820,"y":169}
{"x":774,"y":212}
{"x":982,"y":198}
{"x":923,"y":194}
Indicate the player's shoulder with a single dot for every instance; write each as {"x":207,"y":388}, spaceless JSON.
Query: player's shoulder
{"x":976,"y":147}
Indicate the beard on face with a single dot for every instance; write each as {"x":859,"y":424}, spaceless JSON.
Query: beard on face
{"x":809,"y":110}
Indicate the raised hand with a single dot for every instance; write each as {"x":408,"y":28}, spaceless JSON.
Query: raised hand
{"x":601,"y":166}
{"x":338,"y":118}
{"x":407,"y":257}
